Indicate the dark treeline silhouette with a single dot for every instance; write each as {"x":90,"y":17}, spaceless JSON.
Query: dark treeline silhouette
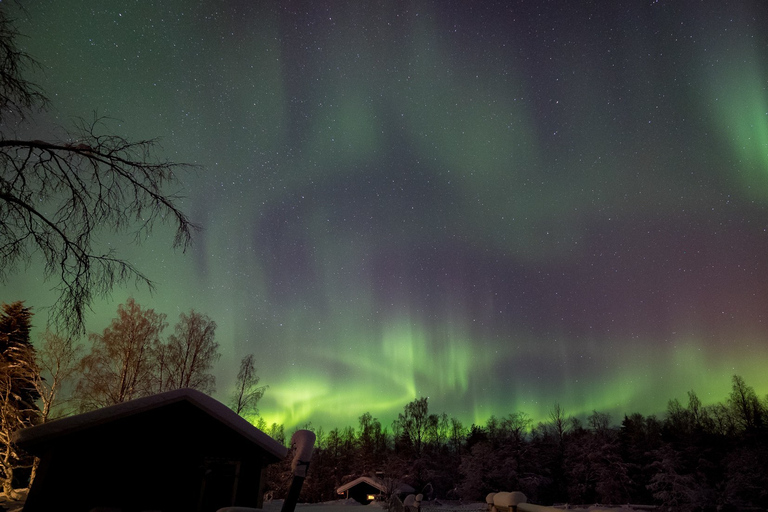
{"x":698,"y":457}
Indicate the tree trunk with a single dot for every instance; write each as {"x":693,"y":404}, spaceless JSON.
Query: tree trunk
{"x":33,"y":472}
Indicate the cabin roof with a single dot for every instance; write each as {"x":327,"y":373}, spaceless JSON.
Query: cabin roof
{"x":375,"y":482}
{"x":363,"y":479}
{"x":32,"y":437}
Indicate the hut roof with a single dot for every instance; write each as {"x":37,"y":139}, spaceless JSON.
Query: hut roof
{"x":363,"y":479}
{"x":378,"y":484}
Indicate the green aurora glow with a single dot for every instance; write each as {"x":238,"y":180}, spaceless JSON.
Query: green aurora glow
{"x":497,"y":205}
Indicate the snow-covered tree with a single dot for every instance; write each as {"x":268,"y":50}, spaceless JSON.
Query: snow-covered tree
{"x":18,"y":395}
{"x":674,"y":485}
{"x":613,"y":481}
{"x":15,"y":327}
{"x":746,"y":478}
{"x":486,"y":469}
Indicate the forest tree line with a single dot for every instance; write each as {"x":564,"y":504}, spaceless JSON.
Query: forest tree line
{"x":695,"y":458}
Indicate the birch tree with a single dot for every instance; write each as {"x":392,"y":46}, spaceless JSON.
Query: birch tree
{"x":58,"y":358}
{"x":121,"y":362}
{"x":247,"y":392}
{"x":186,"y":360}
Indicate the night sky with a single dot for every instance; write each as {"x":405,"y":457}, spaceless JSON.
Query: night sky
{"x":497,"y":205}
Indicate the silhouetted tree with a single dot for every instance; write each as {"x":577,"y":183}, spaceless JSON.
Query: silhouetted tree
{"x":277,"y":432}
{"x":639,"y":437}
{"x":600,"y":423}
{"x":458,"y":435}
{"x":247,"y":394}
{"x":413,"y":424}
{"x":372,"y":445}
{"x":186,"y":360}
{"x":678,"y":423}
{"x":559,"y":422}
{"x":721,"y":420}
{"x":580,"y":470}
{"x":697,"y":413}
{"x":746,"y":407}
{"x":516,"y":426}
{"x":437,"y":430}
{"x":57,"y":196}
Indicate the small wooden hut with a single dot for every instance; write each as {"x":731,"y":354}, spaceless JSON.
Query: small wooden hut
{"x":175,"y":451}
{"x":366,"y":489}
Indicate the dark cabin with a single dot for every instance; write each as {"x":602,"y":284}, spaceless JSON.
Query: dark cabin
{"x":175,"y":451}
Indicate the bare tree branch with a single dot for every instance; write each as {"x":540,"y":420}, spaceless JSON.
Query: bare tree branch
{"x":56,"y":197}
{"x":19,"y":96}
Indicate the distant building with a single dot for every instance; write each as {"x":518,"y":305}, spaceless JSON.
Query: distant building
{"x":367,"y":489}
{"x":175,"y":451}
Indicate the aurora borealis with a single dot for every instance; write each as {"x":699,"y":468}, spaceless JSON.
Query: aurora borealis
{"x":498,"y":205}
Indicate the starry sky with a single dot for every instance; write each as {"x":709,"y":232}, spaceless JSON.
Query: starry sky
{"x":500,"y":205}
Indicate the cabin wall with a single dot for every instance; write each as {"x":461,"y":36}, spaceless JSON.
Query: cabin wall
{"x":173,"y":459}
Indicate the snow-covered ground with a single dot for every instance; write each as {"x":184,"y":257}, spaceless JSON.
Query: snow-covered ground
{"x":434,"y":506}
{"x":353,"y":506}
{"x":13,"y":505}
{"x":332,"y":506}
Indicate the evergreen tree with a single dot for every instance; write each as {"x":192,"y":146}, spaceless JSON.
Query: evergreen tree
{"x":18,"y":393}
{"x":15,"y":326}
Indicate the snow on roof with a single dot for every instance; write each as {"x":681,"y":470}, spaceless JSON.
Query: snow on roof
{"x":33,"y":435}
{"x":363,"y":479}
{"x":400,"y":488}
